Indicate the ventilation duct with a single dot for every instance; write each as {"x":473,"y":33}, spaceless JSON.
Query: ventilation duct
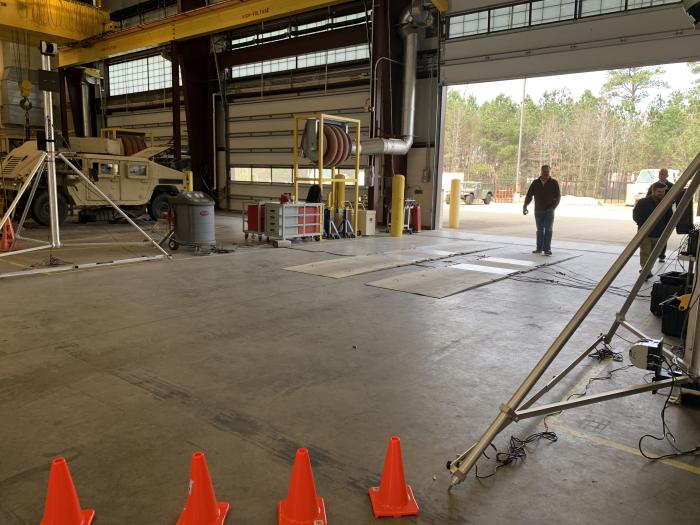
{"x":337,"y":144}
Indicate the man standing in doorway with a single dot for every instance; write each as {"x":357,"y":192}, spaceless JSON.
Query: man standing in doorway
{"x":663,"y":177}
{"x":547,"y":195}
{"x":641,"y":213}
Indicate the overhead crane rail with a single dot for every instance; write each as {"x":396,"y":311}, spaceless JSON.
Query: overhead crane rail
{"x":182,"y":26}
{"x":59,"y":20}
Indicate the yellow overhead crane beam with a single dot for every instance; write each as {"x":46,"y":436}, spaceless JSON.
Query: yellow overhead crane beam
{"x":440,"y":5}
{"x":214,"y":18}
{"x":58,"y":20}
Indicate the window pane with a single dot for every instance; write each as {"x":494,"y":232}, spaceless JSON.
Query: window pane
{"x":350,"y":174}
{"x":333,"y":56}
{"x":137,"y":170}
{"x":128,"y":77}
{"x":265,"y":175}
{"x":546,"y":11}
{"x":308,"y":29}
{"x":159,"y":73}
{"x":109,"y":170}
{"x":244,"y":41}
{"x":282,"y":175}
{"x":636,"y":4}
{"x":542,"y":12}
{"x":599,"y":7}
{"x":509,"y":17}
{"x":261,"y":175}
{"x":239,"y":174}
{"x":521,"y":15}
{"x":306,"y":173}
{"x":359,"y":17}
{"x":469,"y":24}
{"x":143,"y":74}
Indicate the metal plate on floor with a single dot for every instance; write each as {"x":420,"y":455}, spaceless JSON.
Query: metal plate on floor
{"x":505,"y":260}
{"x":483,"y":268}
{"x":443,"y":282}
{"x":534,"y":258}
{"x":359,"y":264}
{"x":437,"y":282}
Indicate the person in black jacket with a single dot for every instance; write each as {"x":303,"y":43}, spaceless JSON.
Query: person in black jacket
{"x":641,"y":213}
{"x":663,"y":177}
{"x":545,"y":191}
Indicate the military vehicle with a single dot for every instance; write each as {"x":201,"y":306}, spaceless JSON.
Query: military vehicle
{"x":133,"y":180}
{"x":8,"y":143}
{"x":473,"y":190}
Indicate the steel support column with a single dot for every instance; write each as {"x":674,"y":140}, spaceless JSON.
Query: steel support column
{"x":175,"y":95}
{"x":74,"y":77}
{"x":199,"y":84}
{"x":386,"y":96}
{"x":63,"y":103}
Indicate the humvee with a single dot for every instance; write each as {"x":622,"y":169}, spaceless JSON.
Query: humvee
{"x":135,"y":182}
{"x":472,"y":190}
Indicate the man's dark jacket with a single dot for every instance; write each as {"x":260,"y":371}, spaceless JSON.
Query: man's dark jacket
{"x":643,"y":210}
{"x":547,"y":195}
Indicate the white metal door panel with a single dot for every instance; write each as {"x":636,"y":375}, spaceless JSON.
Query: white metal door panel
{"x":260,"y":131}
{"x":641,"y":37}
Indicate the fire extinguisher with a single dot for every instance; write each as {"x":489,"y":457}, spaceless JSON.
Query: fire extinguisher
{"x":415,"y":218}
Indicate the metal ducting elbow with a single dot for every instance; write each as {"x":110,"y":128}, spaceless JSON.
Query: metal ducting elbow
{"x":413,"y":18}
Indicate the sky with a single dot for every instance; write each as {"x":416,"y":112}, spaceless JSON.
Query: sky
{"x":678,"y":76}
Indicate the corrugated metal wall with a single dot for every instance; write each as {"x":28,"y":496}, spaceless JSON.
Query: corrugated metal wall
{"x":261,"y":131}
{"x":260,"y":134}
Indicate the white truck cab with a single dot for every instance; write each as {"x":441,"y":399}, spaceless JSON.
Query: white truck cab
{"x":638,"y":189}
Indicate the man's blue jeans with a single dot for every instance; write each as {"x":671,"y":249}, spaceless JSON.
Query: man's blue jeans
{"x":545,"y":222}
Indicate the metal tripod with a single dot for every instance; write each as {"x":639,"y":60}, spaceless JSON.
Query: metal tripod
{"x":47,"y":160}
{"x":517,"y":408}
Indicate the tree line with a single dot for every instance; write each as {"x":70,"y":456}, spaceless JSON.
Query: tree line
{"x":595,"y":141}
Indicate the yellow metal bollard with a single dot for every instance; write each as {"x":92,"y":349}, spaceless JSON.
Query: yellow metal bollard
{"x":190,"y":180}
{"x":455,"y":187}
{"x":398,"y":182}
{"x":340,"y":191}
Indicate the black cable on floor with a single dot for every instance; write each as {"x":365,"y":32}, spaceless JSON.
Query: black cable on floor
{"x":606,"y":352}
{"x":517,"y":451}
{"x":667,"y":435}
{"x":517,"y":447}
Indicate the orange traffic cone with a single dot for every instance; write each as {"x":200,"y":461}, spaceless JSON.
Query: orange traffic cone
{"x":8,"y":236}
{"x":393,"y":497}
{"x":302,"y":506}
{"x":62,"y":505}
{"x":202,"y":507}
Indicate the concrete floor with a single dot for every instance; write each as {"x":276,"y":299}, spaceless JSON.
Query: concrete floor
{"x":103,"y":243}
{"x":127,"y":370}
{"x":609,"y":224}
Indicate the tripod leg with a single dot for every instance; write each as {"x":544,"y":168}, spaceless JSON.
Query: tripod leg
{"x":685,"y":201}
{"x":107,"y":199}
{"x":21,"y":191}
{"x":462,"y":466}
{"x":25,"y":211}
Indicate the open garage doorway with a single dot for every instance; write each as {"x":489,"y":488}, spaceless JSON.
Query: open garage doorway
{"x":604,"y":134}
